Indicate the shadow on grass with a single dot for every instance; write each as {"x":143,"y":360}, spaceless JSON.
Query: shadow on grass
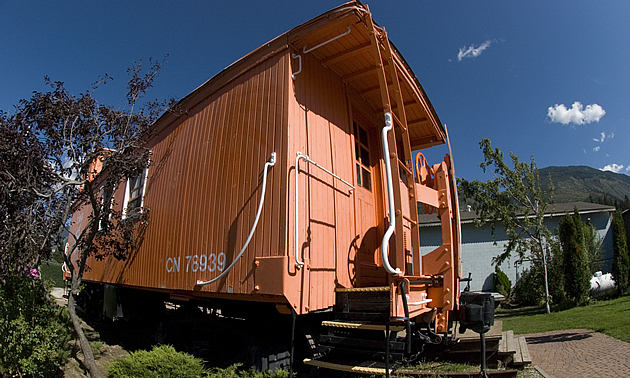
{"x":520,"y":311}
{"x":532,"y":310}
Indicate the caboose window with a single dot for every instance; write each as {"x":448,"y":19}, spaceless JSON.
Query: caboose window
{"x":362,"y":154}
{"x":134,"y":194}
{"x":106,"y":205}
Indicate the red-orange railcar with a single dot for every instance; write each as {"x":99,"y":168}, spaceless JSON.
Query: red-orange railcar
{"x":323,"y":119}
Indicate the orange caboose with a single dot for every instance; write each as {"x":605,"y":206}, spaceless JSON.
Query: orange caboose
{"x":289,"y":180}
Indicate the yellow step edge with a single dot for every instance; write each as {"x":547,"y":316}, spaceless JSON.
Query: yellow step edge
{"x":361,"y":289}
{"x":365,"y":326}
{"x":346,"y":368}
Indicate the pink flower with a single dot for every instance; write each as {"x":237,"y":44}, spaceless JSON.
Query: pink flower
{"x":35,"y":273}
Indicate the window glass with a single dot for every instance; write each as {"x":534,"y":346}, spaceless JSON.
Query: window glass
{"x":367,"y":180}
{"x":362,"y":155}
{"x":135,"y":192}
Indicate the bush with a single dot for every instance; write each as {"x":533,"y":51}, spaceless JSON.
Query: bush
{"x":165,"y":361}
{"x":502,"y":283}
{"x":34,"y":332}
{"x":528,"y":290}
{"x":556,"y":272}
{"x":161,"y":362}
{"x":621,"y":260}
{"x":233,"y":372}
{"x":577,"y":275}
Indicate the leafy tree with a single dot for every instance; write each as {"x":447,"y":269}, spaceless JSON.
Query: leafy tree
{"x":34,"y":331}
{"x":80,"y":150}
{"x":26,"y":222}
{"x":576,"y":271}
{"x":515,"y":200}
{"x":621,"y":261}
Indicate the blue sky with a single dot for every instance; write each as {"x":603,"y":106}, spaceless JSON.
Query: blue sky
{"x":544,"y":78}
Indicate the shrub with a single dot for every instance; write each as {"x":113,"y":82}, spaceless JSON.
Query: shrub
{"x":577,"y":274}
{"x":161,"y":362}
{"x":556,"y":272}
{"x":34,"y":332}
{"x":233,"y":372}
{"x":528,"y":290}
{"x":165,"y":361}
{"x":502,"y":283}
{"x":621,"y":261}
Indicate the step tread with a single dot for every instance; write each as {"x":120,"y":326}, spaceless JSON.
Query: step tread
{"x":346,"y":368}
{"x":371,"y":326}
{"x":523,"y":351}
{"x":361,"y":289}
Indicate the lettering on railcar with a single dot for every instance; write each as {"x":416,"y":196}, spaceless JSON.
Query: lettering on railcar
{"x":197,"y":263}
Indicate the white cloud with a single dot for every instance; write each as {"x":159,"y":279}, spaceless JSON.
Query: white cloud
{"x":596,"y":148}
{"x":577,"y":114}
{"x":472,"y":51}
{"x":602,"y":138}
{"x":617,"y":168}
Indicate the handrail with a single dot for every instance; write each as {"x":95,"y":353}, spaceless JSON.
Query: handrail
{"x":390,"y":195}
{"x":270,"y":163}
{"x":299,"y":264}
{"x":299,"y":58}
{"x":305,"y":51}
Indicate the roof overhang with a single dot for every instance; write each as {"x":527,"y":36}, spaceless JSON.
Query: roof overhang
{"x":340,"y":39}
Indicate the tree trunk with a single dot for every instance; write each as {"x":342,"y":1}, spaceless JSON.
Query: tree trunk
{"x":88,"y":356}
{"x":544,"y":256}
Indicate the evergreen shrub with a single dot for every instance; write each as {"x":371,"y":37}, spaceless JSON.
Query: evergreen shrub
{"x":161,"y":362}
{"x":502,"y":283}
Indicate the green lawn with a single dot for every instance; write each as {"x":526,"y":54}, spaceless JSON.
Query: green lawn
{"x":610,"y":317}
{"x":52,"y":270}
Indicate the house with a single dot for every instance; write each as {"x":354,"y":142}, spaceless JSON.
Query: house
{"x":478,"y":247}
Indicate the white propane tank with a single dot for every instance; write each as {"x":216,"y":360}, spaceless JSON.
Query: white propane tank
{"x":601,"y":284}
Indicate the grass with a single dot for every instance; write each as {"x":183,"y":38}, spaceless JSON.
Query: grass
{"x":611,"y":317}
{"x":52,"y":270}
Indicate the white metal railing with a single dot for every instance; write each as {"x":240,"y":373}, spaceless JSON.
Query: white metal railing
{"x":268,"y":164}
{"x":390,"y":195}
{"x":299,"y":264}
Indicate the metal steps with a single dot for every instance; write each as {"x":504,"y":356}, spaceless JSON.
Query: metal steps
{"x":356,"y":340}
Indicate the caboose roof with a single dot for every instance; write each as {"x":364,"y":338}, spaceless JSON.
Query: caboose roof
{"x":348,"y":54}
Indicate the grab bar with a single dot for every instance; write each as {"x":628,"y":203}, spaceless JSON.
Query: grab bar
{"x":299,"y":264}
{"x":268,"y":164}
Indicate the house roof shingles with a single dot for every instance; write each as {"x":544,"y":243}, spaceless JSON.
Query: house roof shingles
{"x":554,"y":210}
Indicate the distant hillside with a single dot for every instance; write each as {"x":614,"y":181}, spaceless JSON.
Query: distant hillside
{"x":576,"y":183}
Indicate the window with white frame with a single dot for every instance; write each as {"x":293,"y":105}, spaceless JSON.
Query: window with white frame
{"x":134,"y":194}
{"x":106,"y":205}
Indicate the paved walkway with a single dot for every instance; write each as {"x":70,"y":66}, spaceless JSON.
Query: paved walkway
{"x":579,"y":353}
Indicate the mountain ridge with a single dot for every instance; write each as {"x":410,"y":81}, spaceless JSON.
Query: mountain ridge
{"x":577,"y":183}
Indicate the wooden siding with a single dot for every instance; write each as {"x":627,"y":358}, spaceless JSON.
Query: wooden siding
{"x":204,"y":182}
{"x":319,"y":124}
{"x":204,"y":186}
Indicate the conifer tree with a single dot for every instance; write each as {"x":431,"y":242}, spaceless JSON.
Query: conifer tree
{"x":621,"y":261}
{"x":575,"y":264}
